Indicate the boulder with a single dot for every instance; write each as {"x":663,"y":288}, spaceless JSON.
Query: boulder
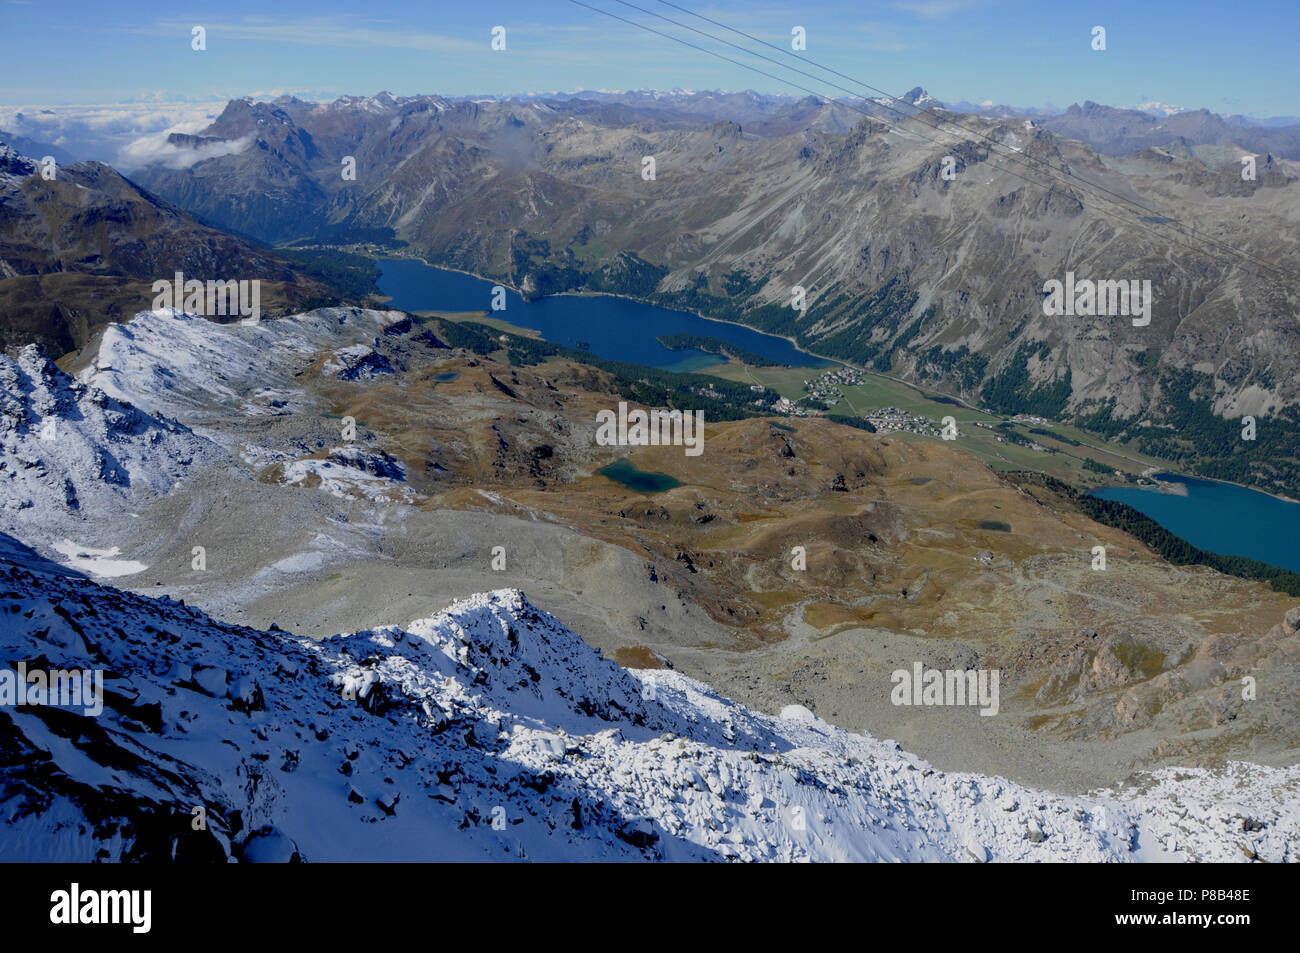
{"x":269,"y":845}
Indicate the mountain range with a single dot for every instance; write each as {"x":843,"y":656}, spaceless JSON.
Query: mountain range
{"x":923,"y":238}
{"x":330,"y":469}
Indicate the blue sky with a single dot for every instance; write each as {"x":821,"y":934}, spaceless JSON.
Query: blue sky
{"x":1223,"y":56}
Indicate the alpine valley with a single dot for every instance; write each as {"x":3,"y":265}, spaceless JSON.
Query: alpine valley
{"x":364,"y":584}
{"x":932,"y":277}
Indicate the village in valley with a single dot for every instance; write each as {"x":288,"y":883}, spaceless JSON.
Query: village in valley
{"x":887,"y":406}
{"x":828,"y":389}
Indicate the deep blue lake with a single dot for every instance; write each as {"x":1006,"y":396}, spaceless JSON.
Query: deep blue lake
{"x":1221,"y":517}
{"x":613,"y":328}
{"x":643,"y":481}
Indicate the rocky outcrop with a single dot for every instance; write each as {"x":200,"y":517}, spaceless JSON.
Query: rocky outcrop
{"x":1228,"y":688}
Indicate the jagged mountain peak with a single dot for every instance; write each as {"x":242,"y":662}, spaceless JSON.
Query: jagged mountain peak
{"x":526,"y":655}
{"x":917,"y":96}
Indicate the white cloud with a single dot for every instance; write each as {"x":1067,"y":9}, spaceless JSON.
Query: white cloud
{"x":155,"y":149}
{"x":106,"y":131}
{"x":1158,"y":108}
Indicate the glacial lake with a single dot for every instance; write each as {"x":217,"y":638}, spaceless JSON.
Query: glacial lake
{"x":614,"y":328}
{"x":625,"y":473}
{"x":1221,"y":517}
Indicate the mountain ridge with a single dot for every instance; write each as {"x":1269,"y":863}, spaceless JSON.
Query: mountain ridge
{"x":490,"y":730}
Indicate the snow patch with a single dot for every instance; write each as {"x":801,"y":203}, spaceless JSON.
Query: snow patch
{"x":100,"y":562}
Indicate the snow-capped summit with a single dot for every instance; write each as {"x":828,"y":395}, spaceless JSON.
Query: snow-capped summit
{"x":380,"y":102}
{"x":189,"y":367}
{"x":490,"y":731}
{"x":916,"y":96}
{"x":1159,"y":109}
{"x":14,"y":164}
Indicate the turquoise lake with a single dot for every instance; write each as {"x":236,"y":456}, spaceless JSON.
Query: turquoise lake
{"x":1221,"y":517}
{"x":613,"y":328}
{"x":625,"y":473}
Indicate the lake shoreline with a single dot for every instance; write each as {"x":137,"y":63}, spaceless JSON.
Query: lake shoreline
{"x":625,"y":297}
{"x":1163,"y":486}
{"x":830,"y":360}
{"x":1219,"y":517}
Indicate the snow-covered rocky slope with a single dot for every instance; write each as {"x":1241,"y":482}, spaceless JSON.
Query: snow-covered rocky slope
{"x":168,"y":398}
{"x":229,"y":381}
{"x":490,"y":731}
{"x":71,"y":452}
{"x":193,"y":369}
